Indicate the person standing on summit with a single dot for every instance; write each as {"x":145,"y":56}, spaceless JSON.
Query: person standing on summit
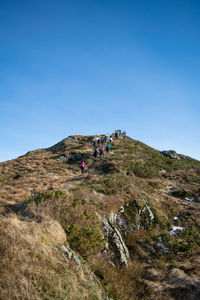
{"x":82,"y":166}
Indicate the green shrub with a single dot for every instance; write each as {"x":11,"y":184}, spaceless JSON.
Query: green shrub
{"x":142,"y":170}
{"x":116,"y":183}
{"x":85,"y":240}
{"x":48,"y":195}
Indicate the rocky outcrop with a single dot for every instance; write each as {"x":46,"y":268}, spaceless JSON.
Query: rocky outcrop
{"x":138,"y":215}
{"x":162,"y":172}
{"x":171,"y":154}
{"x":71,"y":255}
{"x":62,"y":158}
{"x":115,"y":239}
{"x":71,"y":157}
{"x":61,"y":146}
{"x":130,"y":217}
{"x":75,"y":156}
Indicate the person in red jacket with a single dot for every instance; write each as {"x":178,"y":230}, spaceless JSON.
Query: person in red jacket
{"x":82,"y":165}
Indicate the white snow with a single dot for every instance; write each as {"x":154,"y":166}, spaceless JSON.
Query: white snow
{"x":175,"y":228}
{"x":170,"y":187}
{"x":165,"y":249}
{"x":189,"y":199}
{"x":175,"y":218}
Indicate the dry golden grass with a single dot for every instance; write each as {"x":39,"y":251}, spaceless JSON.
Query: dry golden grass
{"x":32,"y":263}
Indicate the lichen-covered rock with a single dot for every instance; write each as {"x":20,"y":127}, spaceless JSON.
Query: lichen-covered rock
{"x":163,"y":172}
{"x":138,"y":215}
{"x":63,"y":158}
{"x":71,"y":255}
{"x":171,"y":154}
{"x":115,"y":239}
{"x":75,"y":156}
{"x":130,"y":217}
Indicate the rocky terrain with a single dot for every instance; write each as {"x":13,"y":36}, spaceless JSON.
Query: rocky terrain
{"x":129,"y":228}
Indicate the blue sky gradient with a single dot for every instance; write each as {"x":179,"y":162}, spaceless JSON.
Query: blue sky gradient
{"x":92,"y":66}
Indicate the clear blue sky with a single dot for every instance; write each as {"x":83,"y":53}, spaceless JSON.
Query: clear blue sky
{"x":92,"y":66}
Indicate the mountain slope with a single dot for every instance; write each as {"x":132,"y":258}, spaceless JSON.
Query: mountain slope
{"x":118,"y":218}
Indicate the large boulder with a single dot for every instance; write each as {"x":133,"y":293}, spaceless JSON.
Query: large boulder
{"x":171,"y":154}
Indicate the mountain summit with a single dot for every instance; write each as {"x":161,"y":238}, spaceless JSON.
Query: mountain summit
{"x":128,"y":228}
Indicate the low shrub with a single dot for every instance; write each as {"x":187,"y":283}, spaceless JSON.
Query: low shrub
{"x":48,"y":195}
{"x":142,"y":170}
{"x":116,"y":183}
{"x":85,"y":240}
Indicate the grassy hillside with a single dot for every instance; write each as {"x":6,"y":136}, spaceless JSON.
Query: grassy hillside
{"x":131,"y":199}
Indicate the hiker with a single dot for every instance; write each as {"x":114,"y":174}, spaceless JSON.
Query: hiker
{"x":110,"y":138}
{"x":102,"y":141}
{"x":124,"y":133}
{"x":82,"y":165}
{"x":98,"y":142}
{"x":108,"y":148}
{"x":116,"y":135}
{"x":105,"y":138}
{"x":95,"y":143}
{"x":95,"y":153}
{"x":101,"y":151}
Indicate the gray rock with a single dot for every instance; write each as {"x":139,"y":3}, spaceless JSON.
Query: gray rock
{"x":139,"y":216}
{"x":71,"y":255}
{"x":171,"y":154}
{"x":70,"y":139}
{"x":163,"y":248}
{"x":75,"y":156}
{"x":130,"y":217}
{"x":197,"y":200}
{"x":115,"y":239}
{"x":63,"y":158}
{"x":163,"y":172}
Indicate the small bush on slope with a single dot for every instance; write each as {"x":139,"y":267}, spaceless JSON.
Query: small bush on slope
{"x":142,"y":170}
{"x":76,"y":217}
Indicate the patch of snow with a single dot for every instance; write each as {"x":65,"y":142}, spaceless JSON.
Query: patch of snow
{"x":175,"y":218}
{"x":121,"y":209}
{"x":175,"y":228}
{"x":170,"y":187}
{"x":165,"y":249}
{"x":189,"y":199}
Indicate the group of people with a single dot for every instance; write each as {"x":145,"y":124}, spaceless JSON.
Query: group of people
{"x":100,"y":142}
{"x":99,"y":148}
{"x":119,"y":133}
